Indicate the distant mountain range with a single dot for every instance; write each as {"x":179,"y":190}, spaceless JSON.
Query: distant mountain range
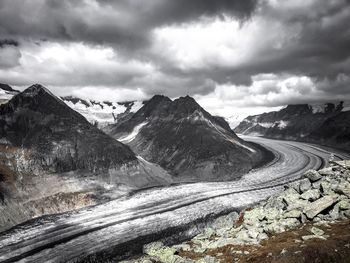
{"x":102,"y":113}
{"x":327,"y":124}
{"x":186,"y":140}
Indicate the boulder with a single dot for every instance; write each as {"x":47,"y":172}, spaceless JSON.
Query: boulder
{"x":162,"y":253}
{"x":314,"y":208}
{"x":317,"y":185}
{"x":326,"y":171}
{"x":311,"y":195}
{"x":276,"y":202}
{"x":316,"y":231}
{"x":308,"y":237}
{"x":292,"y":214}
{"x":304,"y":185}
{"x":313,"y":175}
{"x":253,"y":216}
{"x":344,"y":204}
{"x":345,"y":164}
{"x":343,"y":188}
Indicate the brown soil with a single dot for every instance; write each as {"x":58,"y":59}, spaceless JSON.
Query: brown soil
{"x":288,"y":247}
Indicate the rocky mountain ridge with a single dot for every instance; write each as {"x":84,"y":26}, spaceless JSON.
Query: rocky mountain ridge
{"x":328,"y":125}
{"x":186,"y":140}
{"x":50,"y":152}
{"x":99,"y":113}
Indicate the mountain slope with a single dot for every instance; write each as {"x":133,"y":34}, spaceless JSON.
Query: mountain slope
{"x":52,"y":159}
{"x":6,"y":93}
{"x":186,"y":140}
{"x":326,"y":124}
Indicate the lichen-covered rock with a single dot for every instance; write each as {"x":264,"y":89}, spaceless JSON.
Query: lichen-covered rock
{"x":314,"y":208}
{"x":292,"y":214}
{"x":162,"y":253}
{"x":326,"y":171}
{"x":313,"y":175}
{"x":304,"y":185}
{"x":316,"y":231}
{"x":311,"y":195}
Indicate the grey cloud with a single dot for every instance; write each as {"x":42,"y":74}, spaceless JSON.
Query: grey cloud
{"x":320,"y":50}
{"x":123,"y":23}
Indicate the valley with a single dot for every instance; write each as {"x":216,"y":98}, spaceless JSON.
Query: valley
{"x":176,"y":212}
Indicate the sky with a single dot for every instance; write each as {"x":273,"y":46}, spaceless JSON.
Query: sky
{"x":233,"y":56}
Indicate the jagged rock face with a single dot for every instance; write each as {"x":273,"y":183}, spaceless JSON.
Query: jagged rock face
{"x":59,"y":138}
{"x":328,"y":125}
{"x":183,"y":138}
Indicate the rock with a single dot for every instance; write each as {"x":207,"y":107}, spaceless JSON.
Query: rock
{"x":344,"y":204}
{"x":317,"y":185}
{"x":345,"y":164}
{"x":182,"y":246}
{"x":208,"y":259}
{"x":289,"y":222}
{"x":292,"y":214}
{"x":243,"y":237}
{"x":325,"y":187}
{"x":275,"y":202}
{"x":263,"y":236}
{"x":308,"y":237}
{"x":272,"y":213}
{"x":254,"y":232}
{"x":222,"y":242}
{"x":305,"y":185}
{"x":297,"y":204}
{"x":343,"y":188}
{"x":163,"y":253}
{"x":314,"y":208}
{"x":253,"y":216}
{"x":311,"y":195}
{"x":326,"y":171}
{"x":313,"y":175}
{"x":303,"y":218}
{"x":334,"y":213}
{"x":316,"y":231}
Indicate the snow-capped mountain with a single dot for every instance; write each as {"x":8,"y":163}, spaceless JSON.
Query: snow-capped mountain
{"x":320,"y":123}
{"x":99,"y":113}
{"x":102,"y":113}
{"x":186,"y":140}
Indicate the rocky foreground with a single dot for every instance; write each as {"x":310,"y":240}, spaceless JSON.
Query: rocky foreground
{"x":307,"y":222}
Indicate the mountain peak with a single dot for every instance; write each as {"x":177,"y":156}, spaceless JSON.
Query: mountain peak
{"x":7,"y":87}
{"x":36,"y":89}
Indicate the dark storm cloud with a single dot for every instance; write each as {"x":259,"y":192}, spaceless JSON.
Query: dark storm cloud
{"x":312,"y":39}
{"x":124,"y":23}
{"x":8,"y":42}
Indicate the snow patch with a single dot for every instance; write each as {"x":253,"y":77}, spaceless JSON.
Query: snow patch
{"x":282,"y":124}
{"x":220,"y":131}
{"x":130,"y":137}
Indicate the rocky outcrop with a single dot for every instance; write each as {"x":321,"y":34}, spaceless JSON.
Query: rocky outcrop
{"x":324,"y":201}
{"x":186,"y":140}
{"x":328,"y":125}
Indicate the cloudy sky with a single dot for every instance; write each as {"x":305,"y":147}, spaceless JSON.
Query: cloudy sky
{"x":233,"y":56}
